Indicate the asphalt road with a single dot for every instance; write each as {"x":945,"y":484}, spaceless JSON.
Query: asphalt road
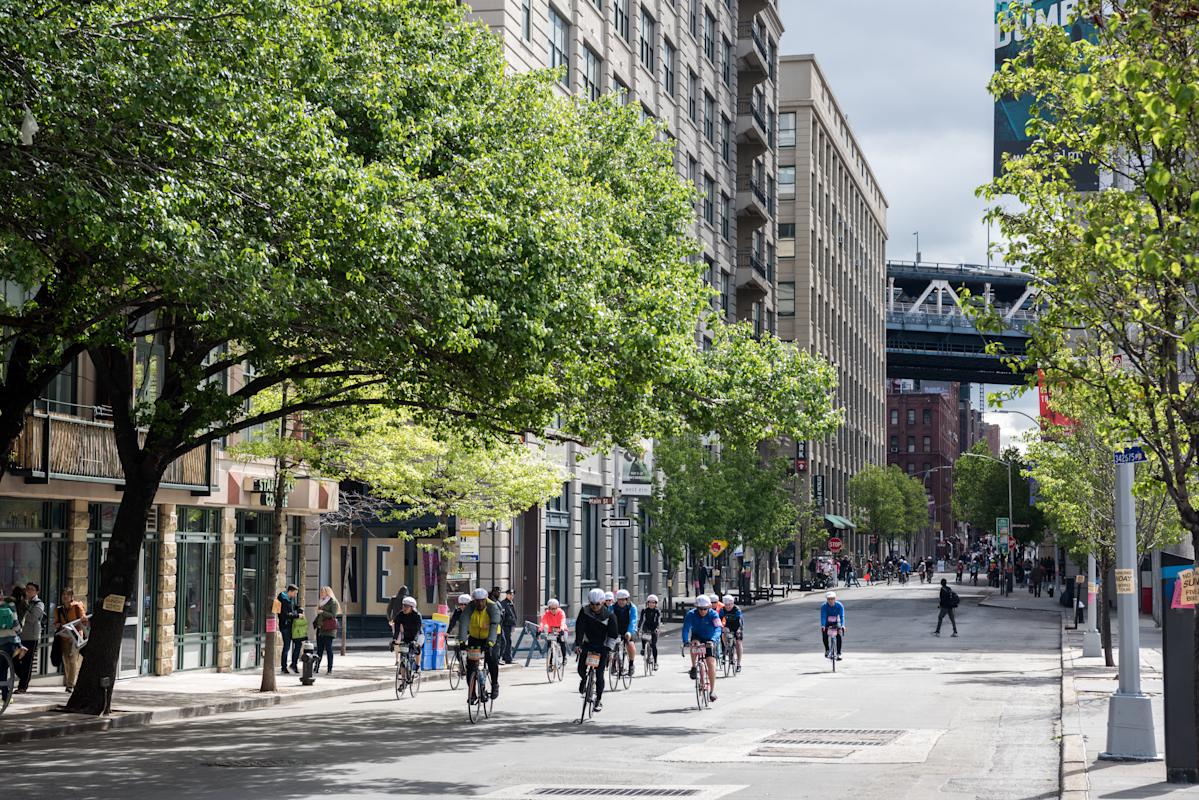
{"x":906,"y":715}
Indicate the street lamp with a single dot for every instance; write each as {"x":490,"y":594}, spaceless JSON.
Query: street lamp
{"x":924,"y":480}
{"x":1010,"y":522}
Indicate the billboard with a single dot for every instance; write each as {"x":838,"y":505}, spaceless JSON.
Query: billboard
{"x":1012,"y":113}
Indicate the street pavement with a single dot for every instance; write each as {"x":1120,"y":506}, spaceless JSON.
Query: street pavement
{"x":906,"y":715}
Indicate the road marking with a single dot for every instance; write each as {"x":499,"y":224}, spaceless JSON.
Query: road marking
{"x":846,"y":746}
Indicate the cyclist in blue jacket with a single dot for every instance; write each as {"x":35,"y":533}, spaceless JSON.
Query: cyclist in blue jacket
{"x":703,"y":624}
{"x":626,"y":621}
{"x":832,"y":615}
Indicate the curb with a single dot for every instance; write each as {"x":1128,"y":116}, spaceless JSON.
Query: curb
{"x":78,"y":723}
{"x":1072,"y":776}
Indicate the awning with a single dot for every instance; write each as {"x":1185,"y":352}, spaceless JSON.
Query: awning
{"x":840,"y":523}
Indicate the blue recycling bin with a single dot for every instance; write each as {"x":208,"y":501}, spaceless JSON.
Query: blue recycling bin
{"x":433,"y":654}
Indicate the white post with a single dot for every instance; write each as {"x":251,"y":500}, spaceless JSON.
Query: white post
{"x":1130,"y":734}
{"x":1091,"y":647}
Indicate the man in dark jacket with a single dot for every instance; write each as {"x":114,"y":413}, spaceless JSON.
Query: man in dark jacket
{"x":595,"y":632}
{"x":288,"y":611}
{"x":507,"y":623}
{"x":946,"y":604}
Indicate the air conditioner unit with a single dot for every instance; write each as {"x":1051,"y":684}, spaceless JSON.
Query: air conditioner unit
{"x":895,"y":449}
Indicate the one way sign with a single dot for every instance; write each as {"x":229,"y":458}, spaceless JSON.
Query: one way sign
{"x":617,"y":522}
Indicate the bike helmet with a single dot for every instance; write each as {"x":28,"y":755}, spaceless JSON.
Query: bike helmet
{"x":410,"y":601}
{"x":653,"y":598}
{"x":703,"y":602}
{"x":595,"y":596}
{"x":479,"y":594}
{"x":728,"y":600}
{"x":608,"y":596}
{"x":463,"y":599}
{"x":553,"y":603}
{"x":715,"y":598}
{"x":622,"y":594}
{"x":827,"y":595}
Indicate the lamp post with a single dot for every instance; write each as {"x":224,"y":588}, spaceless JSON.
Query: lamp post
{"x":924,"y":480}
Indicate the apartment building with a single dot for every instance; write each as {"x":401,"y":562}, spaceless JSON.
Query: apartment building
{"x":832,"y":236}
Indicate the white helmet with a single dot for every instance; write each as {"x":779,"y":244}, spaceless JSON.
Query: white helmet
{"x":653,"y":598}
{"x":830,"y":595}
{"x":553,"y":603}
{"x":410,"y":601}
{"x":728,"y":600}
{"x":703,"y":602}
{"x":595,"y":596}
{"x":463,"y":599}
{"x":714,"y":598}
{"x":609,"y":596}
{"x":622,"y":594}
{"x":479,"y":594}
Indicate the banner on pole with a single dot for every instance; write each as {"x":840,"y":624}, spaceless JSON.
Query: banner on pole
{"x":1125,"y":582}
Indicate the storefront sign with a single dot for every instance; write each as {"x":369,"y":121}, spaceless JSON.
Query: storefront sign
{"x":114,"y":602}
{"x":468,"y":542}
{"x":636,"y":478}
{"x":1125,"y":582}
{"x":1188,"y":579}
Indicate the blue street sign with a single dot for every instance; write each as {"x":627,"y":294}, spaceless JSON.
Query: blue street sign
{"x":1130,"y":455}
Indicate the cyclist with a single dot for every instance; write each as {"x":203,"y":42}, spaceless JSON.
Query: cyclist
{"x":626,"y":623}
{"x":452,"y":627}
{"x":479,"y":626}
{"x":609,"y":599}
{"x":734,"y":622}
{"x":717,"y":606}
{"x":409,"y":628}
{"x":651,"y":620}
{"x":595,"y":632}
{"x":553,"y":621}
{"x":832,"y":613}
{"x":905,"y":570}
{"x":703,"y":623}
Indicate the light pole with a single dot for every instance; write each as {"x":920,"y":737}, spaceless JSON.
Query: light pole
{"x":1010,"y":523}
{"x":924,"y":480}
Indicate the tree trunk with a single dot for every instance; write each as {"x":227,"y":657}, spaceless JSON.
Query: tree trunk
{"x":776,"y":576}
{"x":118,"y":576}
{"x":272,"y":641}
{"x":1105,"y":612}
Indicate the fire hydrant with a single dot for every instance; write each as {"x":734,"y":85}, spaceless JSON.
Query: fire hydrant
{"x":307,"y":678}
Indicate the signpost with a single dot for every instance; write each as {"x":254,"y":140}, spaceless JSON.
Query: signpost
{"x":1003,"y":526}
{"x":835,"y":544}
{"x":616,"y":522}
{"x":599,"y":501}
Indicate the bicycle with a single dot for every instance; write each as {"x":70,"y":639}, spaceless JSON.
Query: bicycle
{"x":9,"y":682}
{"x":616,"y":667}
{"x":455,"y":667}
{"x":833,"y":632}
{"x":703,"y":690}
{"x":649,"y":661}
{"x":482,"y":703}
{"x":593,"y":666}
{"x":555,"y":657}
{"x":729,"y":662}
{"x":407,"y":670}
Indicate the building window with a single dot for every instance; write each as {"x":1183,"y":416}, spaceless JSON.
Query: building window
{"x":693,"y":170}
{"x":725,"y":214}
{"x":726,"y":62}
{"x":911,"y":416}
{"x":895,"y":416}
{"x":726,"y":135}
{"x":620,"y":18}
{"x":894,"y":444}
{"x":693,"y":18}
{"x":693,"y":97}
{"x":709,"y":199}
{"x":598,"y":4}
{"x":928,"y":444}
{"x":669,"y":60}
{"x":786,"y":302}
{"x":526,"y":20}
{"x":649,"y":40}
{"x":590,"y":537}
{"x":710,"y":36}
{"x":559,"y":41}
{"x":787,"y":129}
{"x":591,"y":73}
{"x":928,"y":416}
{"x":911,"y":469}
{"x":620,"y":89}
{"x":786,"y":181}
{"x":709,"y":117}
{"x":911,"y":444}
{"x":755,"y":317}
{"x":786,"y":239}
{"x":726,"y":296}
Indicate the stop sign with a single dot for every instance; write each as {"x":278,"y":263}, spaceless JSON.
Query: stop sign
{"x":834,"y":544}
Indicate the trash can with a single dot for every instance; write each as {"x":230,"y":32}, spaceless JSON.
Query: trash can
{"x":433,"y":654}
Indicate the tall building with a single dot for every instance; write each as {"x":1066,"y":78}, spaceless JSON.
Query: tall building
{"x":923,"y":441}
{"x":832,"y":236}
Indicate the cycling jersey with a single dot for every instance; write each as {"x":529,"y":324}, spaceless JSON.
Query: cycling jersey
{"x":408,"y":625}
{"x":706,"y":627}
{"x":553,"y":620}
{"x":834,"y":614}
{"x":732,"y":619}
{"x":626,"y":617}
{"x":651,"y":618}
{"x":596,"y":629}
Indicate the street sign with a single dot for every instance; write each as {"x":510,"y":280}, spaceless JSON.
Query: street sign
{"x":739,"y":552}
{"x":834,"y":544}
{"x":617,"y":522}
{"x":818,"y":489}
{"x":801,"y":465}
{"x":1130,"y":455}
{"x":717,"y":547}
{"x":1002,"y":526}
{"x":599,"y":501}
{"x":468,"y":543}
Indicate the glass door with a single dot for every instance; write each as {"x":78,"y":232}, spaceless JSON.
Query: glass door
{"x":131,"y":636}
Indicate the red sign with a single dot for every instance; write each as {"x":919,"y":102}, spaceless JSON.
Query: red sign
{"x":801,"y":465}
{"x":834,"y":544}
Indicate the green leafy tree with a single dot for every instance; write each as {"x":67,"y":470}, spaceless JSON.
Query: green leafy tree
{"x":879,"y":501}
{"x":914,"y":509}
{"x":980,"y":493}
{"x":1117,"y":270}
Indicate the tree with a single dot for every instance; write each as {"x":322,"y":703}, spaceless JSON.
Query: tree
{"x":1117,"y":270}
{"x":879,"y":501}
{"x":914,"y":515}
{"x":980,"y":493}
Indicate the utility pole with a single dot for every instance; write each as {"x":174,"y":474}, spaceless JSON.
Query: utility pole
{"x":1129,"y":714}
{"x":1090,"y":639}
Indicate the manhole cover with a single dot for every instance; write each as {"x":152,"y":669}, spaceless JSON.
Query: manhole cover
{"x":800,"y":752}
{"x":253,"y":763}
{"x":836,"y":737}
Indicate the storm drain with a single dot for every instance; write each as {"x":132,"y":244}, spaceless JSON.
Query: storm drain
{"x":535,"y":792}
{"x":839,"y":737}
{"x":252,"y":763}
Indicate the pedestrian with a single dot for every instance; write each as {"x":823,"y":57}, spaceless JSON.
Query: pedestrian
{"x":326,"y":624}
{"x":395,"y":606}
{"x":32,"y":621}
{"x":508,"y":621}
{"x":947,"y":602}
{"x":288,"y":612}
{"x":701,"y":578}
{"x":961,"y":569}
{"x":494,"y":594}
{"x":69,"y":611}
{"x":10,"y":640}
{"x":1038,"y":577}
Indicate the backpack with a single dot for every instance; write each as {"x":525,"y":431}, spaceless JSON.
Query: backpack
{"x":8,"y":618}
{"x":299,"y":628}
{"x":954,"y":599}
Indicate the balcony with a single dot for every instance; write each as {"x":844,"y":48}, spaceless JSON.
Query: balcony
{"x":752,"y":202}
{"x":60,"y":447}
{"x":752,"y":129}
{"x":753,"y":62}
{"x":753,"y":273}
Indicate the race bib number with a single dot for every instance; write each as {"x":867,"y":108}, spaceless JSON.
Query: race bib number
{"x":593,"y":659}
{"x":474,"y":654}
{"x":834,"y":622}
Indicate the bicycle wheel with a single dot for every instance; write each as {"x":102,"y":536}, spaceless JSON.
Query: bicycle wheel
{"x":615,"y":667}
{"x":488,"y":704}
{"x":475,"y":709}
{"x":647,"y":666}
{"x":699,"y":687}
{"x":401,"y":684}
{"x":455,"y":670}
{"x":6,"y":685}
{"x":626,"y":675}
{"x":414,"y":683}
{"x":588,"y":697}
{"x":561,"y":662}
{"x":551,"y":662}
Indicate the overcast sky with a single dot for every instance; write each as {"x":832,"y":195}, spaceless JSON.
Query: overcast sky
{"x":912,"y":77}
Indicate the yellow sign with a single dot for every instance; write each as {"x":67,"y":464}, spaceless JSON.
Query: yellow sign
{"x":1190,"y":586}
{"x":718,"y":546}
{"x":1125,"y":582}
{"x":114,"y":602}
{"x":1092,"y":589}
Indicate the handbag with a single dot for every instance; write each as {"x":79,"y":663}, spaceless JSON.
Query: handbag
{"x":56,"y":652}
{"x":299,"y":628}
{"x":329,"y":624}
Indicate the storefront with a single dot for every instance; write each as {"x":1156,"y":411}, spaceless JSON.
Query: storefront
{"x":33,"y":541}
{"x":137,"y":642}
{"x":198,"y":540}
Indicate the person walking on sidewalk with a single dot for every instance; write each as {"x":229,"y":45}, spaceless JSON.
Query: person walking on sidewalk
{"x":946,"y":604}
{"x":69,"y":610}
{"x":1034,"y":582}
{"x":326,"y":624}
{"x":507,"y":623}
{"x":32,"y":622}
{"x":286,"y":616}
